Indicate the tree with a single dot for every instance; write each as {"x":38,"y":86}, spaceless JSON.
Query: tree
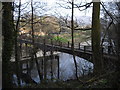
{"x":117,"y":79}
{"x":16,"y":44}
{"x":33,"y":41}
{"x":7,"y":28}
{"x":96,"y":51}
{"x":112,"y":11}
{"x":72,"y":34}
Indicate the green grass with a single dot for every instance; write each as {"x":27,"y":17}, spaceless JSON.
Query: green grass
{"x":59,"y":39}
{"x":78,"y":36}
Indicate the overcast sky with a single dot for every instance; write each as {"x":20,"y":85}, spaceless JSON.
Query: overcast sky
{"x":55,"y":7}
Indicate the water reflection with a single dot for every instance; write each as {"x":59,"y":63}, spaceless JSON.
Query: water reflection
{"x":66,"y":68}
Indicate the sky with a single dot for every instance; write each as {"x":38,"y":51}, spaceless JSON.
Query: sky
{"x":54,"y":8}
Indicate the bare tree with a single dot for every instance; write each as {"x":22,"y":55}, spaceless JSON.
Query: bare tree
{"x":34,"y":51}
{"x":16,"y":44}
{"x":72,"y":46}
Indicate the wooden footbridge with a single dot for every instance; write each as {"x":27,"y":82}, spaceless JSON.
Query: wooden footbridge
{"x":84,"y":52}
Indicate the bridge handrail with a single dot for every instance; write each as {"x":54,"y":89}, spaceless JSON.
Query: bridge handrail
{"x":85,"y":48}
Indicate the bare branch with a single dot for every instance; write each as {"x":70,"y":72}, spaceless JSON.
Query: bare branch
{"x":106,"y":32}
{"x":109,"y":14}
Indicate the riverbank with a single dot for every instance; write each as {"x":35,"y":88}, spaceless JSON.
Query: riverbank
{"x":105,"y":82}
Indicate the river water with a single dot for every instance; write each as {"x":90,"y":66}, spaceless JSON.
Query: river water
{"x":66,"y":68}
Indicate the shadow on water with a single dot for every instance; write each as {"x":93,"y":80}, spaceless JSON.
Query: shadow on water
{"x":66,"y":69}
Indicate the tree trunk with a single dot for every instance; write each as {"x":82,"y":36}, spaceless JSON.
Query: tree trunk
{"x":33,"y":41}
{"x":7,"y":28}
{"x":16,"y":47}
{"x":118,"y":49}
{"x":96,"y":51}
{"x":72,"y":34}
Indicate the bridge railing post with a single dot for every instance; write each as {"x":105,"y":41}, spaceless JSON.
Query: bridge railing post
{"x":68,"y":44}
{"x":60,"y":44}
{"x":20,"y":50}
{"x":85,"y":48}
{"x":79,"y":46}
{"x":26,"y":49}
{"x":51,"y":42}
{"x":44,"y":41}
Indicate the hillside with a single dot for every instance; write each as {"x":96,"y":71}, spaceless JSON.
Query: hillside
{"x":53,"y":26}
